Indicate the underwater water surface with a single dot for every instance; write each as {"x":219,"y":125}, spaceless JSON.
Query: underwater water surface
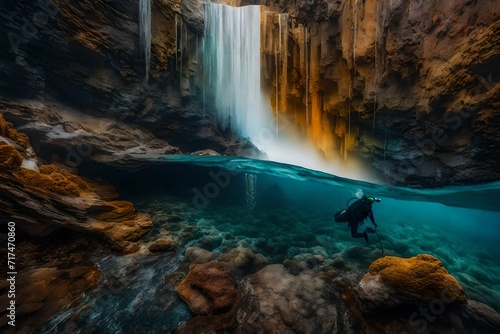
{"x":279,"y":211}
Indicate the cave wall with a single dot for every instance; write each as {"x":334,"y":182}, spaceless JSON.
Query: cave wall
{"x":85,"y":56}
{"x":404,"y":85}
{"x":409,"y":87}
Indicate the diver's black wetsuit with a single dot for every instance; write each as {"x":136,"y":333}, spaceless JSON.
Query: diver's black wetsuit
{"x":358,"y":212}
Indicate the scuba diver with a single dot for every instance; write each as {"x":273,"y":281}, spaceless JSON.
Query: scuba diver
{"x":356,"y":214}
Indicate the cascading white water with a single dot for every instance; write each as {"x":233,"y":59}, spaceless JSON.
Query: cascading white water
{"x":145,"y":34}
{"x":232,"y":69}
{"x":232,"y":84}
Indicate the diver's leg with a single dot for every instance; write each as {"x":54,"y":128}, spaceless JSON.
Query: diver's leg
{"x":355,"y":234}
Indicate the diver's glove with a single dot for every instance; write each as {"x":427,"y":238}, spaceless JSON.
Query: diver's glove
{"x":370,"y":230}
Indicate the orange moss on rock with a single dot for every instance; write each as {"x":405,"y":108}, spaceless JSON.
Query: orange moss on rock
{"x":120,"y":224}
{"x":117,"y":211}
{"x":54,"y":171}
{"x":10,"y":159}
{"x":422,"y":275}
{"x":7,"y":130}
{"x":54,"y":179}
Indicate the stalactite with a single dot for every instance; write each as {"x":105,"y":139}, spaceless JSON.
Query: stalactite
{"x":316,"y":105}
{"x":376,"y":75}
{"x":284,"y":61}
{"x":201,"y":74}
{"x":355,"y":33}
{"x":145,"y":34}
{"x":306,"y":64}
{"x":176,"y":44}
{"x":277,"y":56}
{"x":385,"y":143}
{"x":181,"y":47}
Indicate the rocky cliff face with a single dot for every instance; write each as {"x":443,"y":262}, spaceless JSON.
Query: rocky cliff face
{"x":408,"y":85}
{"x":85,"y":56}
{"x":45,"y":197}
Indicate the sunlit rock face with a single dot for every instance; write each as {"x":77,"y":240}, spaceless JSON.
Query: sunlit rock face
{"x":405,"y":84}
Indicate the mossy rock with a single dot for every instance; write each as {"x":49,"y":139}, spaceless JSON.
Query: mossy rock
{"x":7,"y":130}
{"x":53,"y":179}
{"x":116,"y":211}
{"x":423,"y":276}
{"x":59,"y":173}
{"x":10,"y":159}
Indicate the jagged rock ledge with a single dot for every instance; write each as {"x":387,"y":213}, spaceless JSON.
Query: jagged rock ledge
{"x":44,"y":197}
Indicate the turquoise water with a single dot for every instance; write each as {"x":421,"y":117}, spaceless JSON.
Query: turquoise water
{"x":282,"y":211}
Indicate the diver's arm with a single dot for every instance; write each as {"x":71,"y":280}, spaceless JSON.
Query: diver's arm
{"x":370,"y":215}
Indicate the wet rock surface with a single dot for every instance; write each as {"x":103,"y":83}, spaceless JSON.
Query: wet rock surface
{"x":279,"y":302}
{"x":54,"y":273}
{"x":212,"y":295}
{"x":408,"y":86}
{"x":45,"y":197}
{"x":393,"y":282}
{"x":47,"y":291}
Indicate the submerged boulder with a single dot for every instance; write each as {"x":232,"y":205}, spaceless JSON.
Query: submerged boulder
{"x":244,"y":260}
{"x":47,"y":291}
{"x":276,"y":301}
{"x":480,"y":318}
{"x":393,"y":281}
{"x":212,"y":295}
{"x":209,"y":289}
{"x":162,"y":245}
{"x":196,"y":255}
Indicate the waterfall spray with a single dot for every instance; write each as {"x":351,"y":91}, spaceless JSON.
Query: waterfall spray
{"x":145,"y":34}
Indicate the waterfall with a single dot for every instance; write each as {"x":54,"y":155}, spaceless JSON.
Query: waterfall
{"x":250,"y":194}
{"x":232,"y":69}
{"x":145,"y":34}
